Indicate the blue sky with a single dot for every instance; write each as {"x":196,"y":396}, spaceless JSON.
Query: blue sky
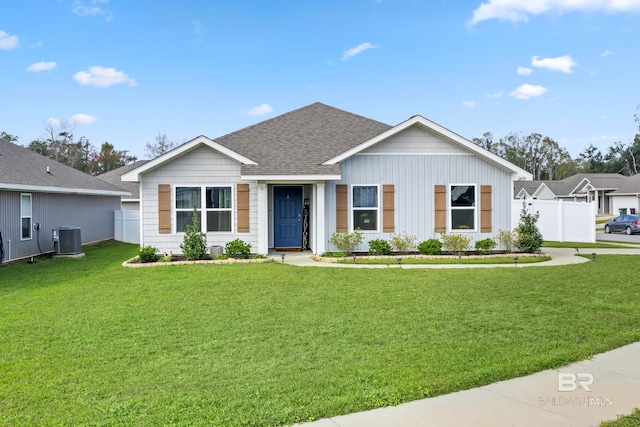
{"x":122,"y":71}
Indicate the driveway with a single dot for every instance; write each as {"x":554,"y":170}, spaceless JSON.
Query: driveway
{"x":619,"y":237}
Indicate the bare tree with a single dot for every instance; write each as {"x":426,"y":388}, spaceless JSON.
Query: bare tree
{"x":161,"y":146}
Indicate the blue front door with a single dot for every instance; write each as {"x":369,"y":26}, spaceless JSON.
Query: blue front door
{"x":287,"y":216}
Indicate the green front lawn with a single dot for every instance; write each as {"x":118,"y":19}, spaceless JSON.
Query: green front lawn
{"x":88,"y":342}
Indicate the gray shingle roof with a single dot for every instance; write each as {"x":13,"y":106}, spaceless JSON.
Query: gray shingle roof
{"x":21,"y":168}
{"x":565,"y":187}
{"x":529,"y":186}
{"x":298,"y":142}
{"x":114,"y":178}
{"x":629,"y":185}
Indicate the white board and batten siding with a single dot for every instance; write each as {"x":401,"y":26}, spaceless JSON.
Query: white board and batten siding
{"x":200,"y":167}
{"x":559,"y":220}
{"x":415,"y":161}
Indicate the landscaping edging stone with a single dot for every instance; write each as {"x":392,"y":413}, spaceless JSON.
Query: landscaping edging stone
{"x":133,"y":262}
{"x":419,"y":256}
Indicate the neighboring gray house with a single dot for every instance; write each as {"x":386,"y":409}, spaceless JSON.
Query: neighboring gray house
{"x":131,"y":202}
{"x":627,"y":196}
{"x":292,"y":181}
{"x":580,"y":187}
{"x":38,"y":194}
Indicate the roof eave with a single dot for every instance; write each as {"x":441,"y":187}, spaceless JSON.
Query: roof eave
{"x":292,"y":178}
{"x":62,"y":190}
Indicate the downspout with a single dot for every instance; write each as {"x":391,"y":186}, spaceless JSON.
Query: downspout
{"x":1,"y":249}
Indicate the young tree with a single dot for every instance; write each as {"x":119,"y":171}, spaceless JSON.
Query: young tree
{"x":529,"y":237}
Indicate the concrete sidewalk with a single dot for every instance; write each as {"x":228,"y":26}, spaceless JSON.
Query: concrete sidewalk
{"x":613,"y":380}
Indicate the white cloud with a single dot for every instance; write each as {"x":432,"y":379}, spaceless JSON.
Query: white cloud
{"x":260,"y":110}
{"x":521,"y":10}
{"x":8,"y":41}
{"x":53,"y":122}
{"x":91,"y":8}
{"x":495,"y":95}
{"x":357,"y":50}
{"x":103,"y":77}
{"x":469,"y":104}
{"x":82,"y":119}
{"x":561,"y":63}
{"x":524,"y":71}
{"x":41,"y":66}
{"x":606,"y":52}
{"x":527,"y":91}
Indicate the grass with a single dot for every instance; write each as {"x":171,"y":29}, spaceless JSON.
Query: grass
{"x":88,"y":342}
{"x":632,"y":420}
{"x":464,"y":260}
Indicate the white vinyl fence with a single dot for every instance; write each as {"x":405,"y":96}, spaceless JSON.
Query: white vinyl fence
{"x":127,"y":226}
{"x":559,"y":220}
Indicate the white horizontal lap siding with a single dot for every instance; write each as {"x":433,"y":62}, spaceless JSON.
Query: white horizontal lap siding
{"x":414,"y":178}
{"x":202,"y":166}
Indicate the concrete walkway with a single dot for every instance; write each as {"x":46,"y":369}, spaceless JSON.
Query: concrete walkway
{"x":559,"y":256}
{"x":541,"y":399}
{"x":581,"y":394}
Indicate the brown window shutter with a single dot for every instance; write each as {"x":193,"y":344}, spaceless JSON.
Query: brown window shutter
{"x":342,"y":207}
{"x":440,"y":203}
{"x":485,"y":208}
{"x":164,"y":208}
{"x":388,"y":208}
{"x":243,"y":208}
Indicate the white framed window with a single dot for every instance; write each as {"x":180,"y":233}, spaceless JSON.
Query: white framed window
{"x":25,"y":216}
{"x":365,"y":207}
{"x":187,"y":199}
{"x":463,"y":207}
{"x":218,"y":207}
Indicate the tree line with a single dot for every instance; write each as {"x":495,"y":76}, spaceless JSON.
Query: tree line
{"x":60,"y":144}
{"x":545,"y":159}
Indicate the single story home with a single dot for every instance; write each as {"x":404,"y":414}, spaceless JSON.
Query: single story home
{"x":581,"y":187}
{"x":130,"y":202}
{"x":626,"y":199}
{"x":290,"y":182}
{"x":38,"y":194}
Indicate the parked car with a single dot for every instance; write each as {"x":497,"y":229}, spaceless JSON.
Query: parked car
{"x":628,"y":223}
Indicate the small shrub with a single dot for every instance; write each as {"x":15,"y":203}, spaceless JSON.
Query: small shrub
{"x":379,"y":247}
{"x":485,"y":246}
{"x":238,"y":249}
{"x":346,"y":242}
{"x":507,"y":239}
{"x":148,"y":254}
{"x":333,"y":255}
{"x":455,"y":242}
{"x":403,"y":242}
{"x":430,"y":247}
{"x":194,"y":244}
{"x":529,"y":237}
